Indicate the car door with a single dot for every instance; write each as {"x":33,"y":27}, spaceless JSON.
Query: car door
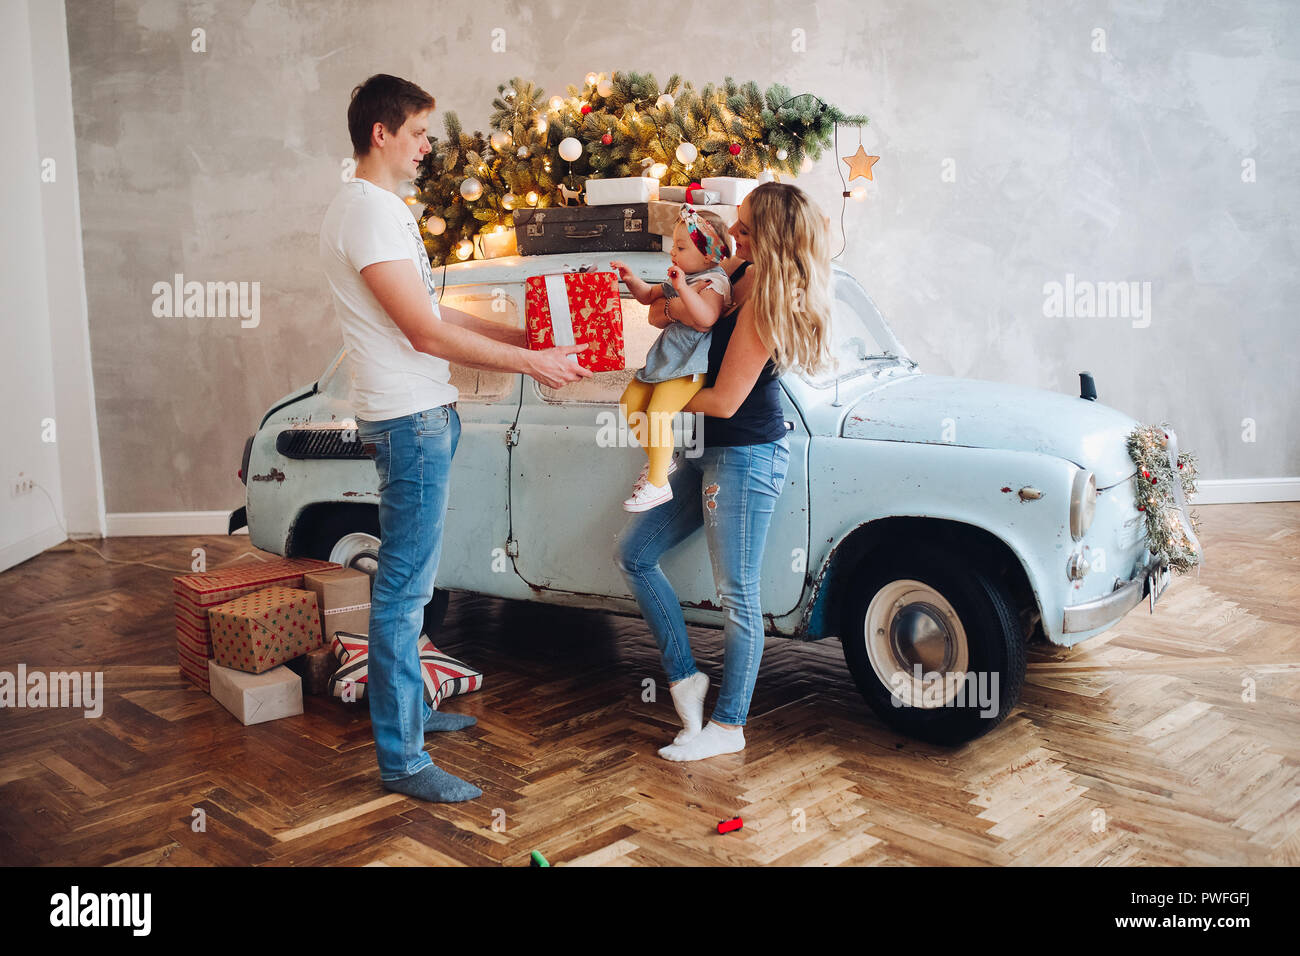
{"x":478,"y":520}
{"x":568,"y":482}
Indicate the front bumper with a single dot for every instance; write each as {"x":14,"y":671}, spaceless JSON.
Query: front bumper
{"x":1149,"y":583}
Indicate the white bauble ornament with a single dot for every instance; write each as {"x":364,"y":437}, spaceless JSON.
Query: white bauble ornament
{"x":436,"y":225}
{"x":686,"y":153}
{"x":509,"y":93}
{"x":782,"y":155}
{"x":471,"y":188}
{"x":658,"y":170}
{"x":407,"y":191}
{"x":508,"y":201}
{"x":522,"y":152}
{"x":570,"y":149}
{"x":542,"y":125}
{"x":531,"y":197}
{"x":464,"y":249}
{"x":500,"y":140}
{"x":555,"y":102}
{"x":604,"y":87}
{"x":665,"y":102}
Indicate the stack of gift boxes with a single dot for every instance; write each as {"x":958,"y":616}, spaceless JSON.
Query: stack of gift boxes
{"x":257,"y":636}
{"x":624,"y":214}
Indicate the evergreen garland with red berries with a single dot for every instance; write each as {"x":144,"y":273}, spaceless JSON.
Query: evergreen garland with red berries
{"x":1148,"y":445}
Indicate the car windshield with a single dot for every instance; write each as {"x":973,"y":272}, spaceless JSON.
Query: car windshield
{"x":858,"y":339}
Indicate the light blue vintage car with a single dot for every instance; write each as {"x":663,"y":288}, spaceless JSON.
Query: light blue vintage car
{"x":934,"y":524}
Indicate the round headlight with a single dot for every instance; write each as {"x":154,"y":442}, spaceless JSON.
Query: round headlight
{"x":1083,"y":503}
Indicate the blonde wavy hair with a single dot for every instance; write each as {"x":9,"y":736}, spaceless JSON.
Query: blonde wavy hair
{"x":789,"y":242}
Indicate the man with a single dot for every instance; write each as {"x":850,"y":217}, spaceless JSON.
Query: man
{"x":400,"y":343}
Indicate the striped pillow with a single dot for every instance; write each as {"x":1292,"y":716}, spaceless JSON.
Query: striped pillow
{"x":444,"y":676}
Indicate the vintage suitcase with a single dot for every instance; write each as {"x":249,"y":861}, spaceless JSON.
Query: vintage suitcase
{"x":585,"y":229}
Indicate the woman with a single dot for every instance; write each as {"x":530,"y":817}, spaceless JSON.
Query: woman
{"x":780,"y":321}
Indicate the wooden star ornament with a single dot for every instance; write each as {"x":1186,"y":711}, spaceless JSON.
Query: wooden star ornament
{"x":860,"y":164}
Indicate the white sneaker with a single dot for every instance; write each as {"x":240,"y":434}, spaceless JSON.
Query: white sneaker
{"x":646,"y":496}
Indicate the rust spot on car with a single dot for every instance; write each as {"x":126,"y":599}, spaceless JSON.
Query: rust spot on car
{"x":704,"y":605}
{"x":354,"y":494}
{"x":275,"y":475}
{"x":1005,"y":488}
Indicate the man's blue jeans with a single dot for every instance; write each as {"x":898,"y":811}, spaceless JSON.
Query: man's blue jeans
{"x":413,"y":457}
{"x":732,"y":492}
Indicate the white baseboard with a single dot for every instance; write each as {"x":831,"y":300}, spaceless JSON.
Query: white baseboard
{"x":1232,"y":491}
{"x":160,"y":523}
{"x":30,"y":547}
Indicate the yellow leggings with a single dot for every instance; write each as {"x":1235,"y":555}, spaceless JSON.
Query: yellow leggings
{"x":656,"y":405}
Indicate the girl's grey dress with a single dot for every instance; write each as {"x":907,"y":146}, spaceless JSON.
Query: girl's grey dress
{"x":681,"y":350}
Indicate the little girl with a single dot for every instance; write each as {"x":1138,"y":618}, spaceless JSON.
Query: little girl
{"x":676,"y":363}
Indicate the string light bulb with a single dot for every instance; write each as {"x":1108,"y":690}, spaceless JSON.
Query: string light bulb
{"x":531,"y":197}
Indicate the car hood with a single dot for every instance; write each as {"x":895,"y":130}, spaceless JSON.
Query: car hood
{"x":917,"y":408}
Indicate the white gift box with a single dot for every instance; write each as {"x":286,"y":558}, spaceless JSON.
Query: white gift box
{"x":255,"y":698}
{"x":731,"y":190}
{"x":622,"y":189}
{"x":703,"y":197}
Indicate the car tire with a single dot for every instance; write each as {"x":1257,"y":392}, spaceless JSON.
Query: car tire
{"x":927,"y":607}
{"x":351,"y":537}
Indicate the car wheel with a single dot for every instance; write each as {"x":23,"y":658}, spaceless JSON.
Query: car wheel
{"x":933,"y":645}
{"x":336,"y":539}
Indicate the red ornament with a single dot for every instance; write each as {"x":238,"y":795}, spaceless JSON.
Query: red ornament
{"x":607,"y":139}
{"x":1140,"y":508}
{"x":1180,"y":464}
{"x":586,"y":108}
{"x":735,"y":149}
{"x":1153,"y":479}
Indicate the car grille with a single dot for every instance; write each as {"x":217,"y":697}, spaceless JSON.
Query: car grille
{"x":320,"y":442}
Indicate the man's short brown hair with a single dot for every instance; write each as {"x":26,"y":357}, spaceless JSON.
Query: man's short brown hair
{"x":383,"y":99}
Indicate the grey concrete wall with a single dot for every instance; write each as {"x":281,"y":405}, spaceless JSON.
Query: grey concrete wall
{"x":1016,"y":151}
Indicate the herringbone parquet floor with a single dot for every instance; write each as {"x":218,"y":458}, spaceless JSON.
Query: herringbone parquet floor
{"x":1171,"y":739}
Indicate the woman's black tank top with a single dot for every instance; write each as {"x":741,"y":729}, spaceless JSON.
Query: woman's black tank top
{"x":759,"y":418}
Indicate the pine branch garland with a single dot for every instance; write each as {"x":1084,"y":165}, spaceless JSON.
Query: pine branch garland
{"x":641,"y":132}
{"x":1148,"y":446}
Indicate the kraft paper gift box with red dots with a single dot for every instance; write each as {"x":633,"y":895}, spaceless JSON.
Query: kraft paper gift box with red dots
{"x":256,"y":632}
{"x":198,"y":593}
{"x":570,"y":308}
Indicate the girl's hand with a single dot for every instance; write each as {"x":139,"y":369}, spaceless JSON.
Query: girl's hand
{"x":623,"y":271}
{"x":677,"y":277}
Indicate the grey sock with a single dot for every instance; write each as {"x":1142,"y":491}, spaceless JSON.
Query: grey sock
{"x":440,"y":721}
{"x":435,"y":784}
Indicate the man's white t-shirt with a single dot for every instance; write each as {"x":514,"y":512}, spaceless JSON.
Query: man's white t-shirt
{"x":365,"y":224}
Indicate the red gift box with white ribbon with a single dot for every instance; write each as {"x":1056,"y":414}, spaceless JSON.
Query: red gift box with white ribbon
{"x":571,"y":308}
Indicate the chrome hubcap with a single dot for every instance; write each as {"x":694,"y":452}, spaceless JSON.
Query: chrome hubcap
{"x":357,"y":550}
{"x":916,"y":644}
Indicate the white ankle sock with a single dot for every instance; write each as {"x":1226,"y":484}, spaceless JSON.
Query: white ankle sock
{"x":688,"y":699}
{"x":709,"y":742}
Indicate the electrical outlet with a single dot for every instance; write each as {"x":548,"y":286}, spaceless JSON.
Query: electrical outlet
{"x":20,"y":486}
